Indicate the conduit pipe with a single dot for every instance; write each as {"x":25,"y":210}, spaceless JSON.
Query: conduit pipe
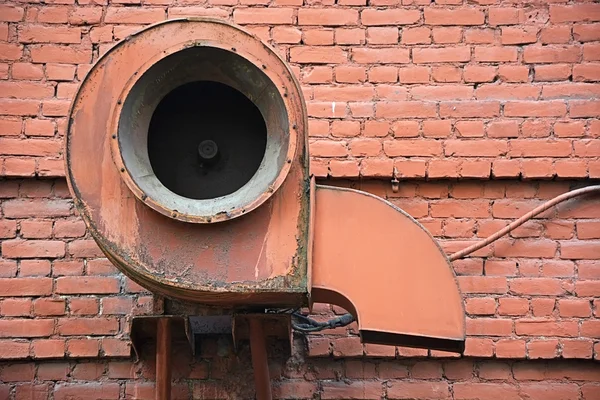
{"x":514,"y":225}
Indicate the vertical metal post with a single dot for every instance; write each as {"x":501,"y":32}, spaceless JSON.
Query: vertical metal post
{"x":260,"y":364}
{"x":163,"y":359}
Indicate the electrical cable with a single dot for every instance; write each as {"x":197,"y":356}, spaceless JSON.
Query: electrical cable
{"x":310,"y":325}
{"x":538,"y":210}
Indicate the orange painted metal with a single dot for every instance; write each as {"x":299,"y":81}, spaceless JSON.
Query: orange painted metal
{"x":294,"y":243}
{"x":382,"y":266}
{"x":257,"y":259}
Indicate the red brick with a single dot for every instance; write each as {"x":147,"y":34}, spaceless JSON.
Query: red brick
{"x":10,"y":51}
{"x":574,"y":308}
{"x":12,"y":349}
{"x":18,"y":372}
{"x":60,"y":54}
{"x":48,"y":348}
{"x":18,"y":107}
{"x":382,"y":35}
{"x":414,"y":74}
{"x":586,"y":72}
{"x":26,"y":328}
{"x":555,"y":34}
{"x":18,"y":248}
{"x":513,"y":306}
{"x":380,"y":55}
{"x":318,"y":37}
{"x":428,"y":390}
{"x":374,"y":17}
{"x":480,"y":306}
{"x":441,"y":55}
{"x":93,"y":15}
{"x":518,"y":35}
{"x":455,"y":209}
{"x":546,"y":328}
{"x":47,"y":307}
{"x":590,"y":52}
{"x":125,"y":15}
{"x":327,"y":17}
{"x":584,"y":108}
{"x":83,"y":347}
{"x":554,"y":391}
{"x":476,"y":73}
{"x":576,"y":348}
{"x":117,"y":305}
{"x":295,"y":388}
{"x":36,"y":229}
{"x":349,"y":36}
{"x":551,"y":54}
{"x":542,"y":349}
{"x":580,"y":250}
{"x":574,"y":13}
{"x":347,"y":347}
{"x":510,"y":348}
{"x":446,"y":92}
{"x":465,"y":16}
{"x":272,"y":16}
{"x":352,"y":390}
{"x":87,"y":285}
{"x":470,"y":109}
{"x":318,"y":55}
{"x":513,"y":73}
{"x":446,"y":73}
{"x":485,"y":391}
{"x":84,"y":248}
{"x":489,"y":327}
{"x":32,"y":391}
{"x":87,"y":326}
{"x":49,"y":34}
{"x":11,"y":13}
{"x":495,"y":54}
{"x":536,"y":286}
{"x":479,"y":347}
{"x":27,"y":71}
{"x":586,"y":32}
{"x":25,"y":286}
{"x":34,"y":268}
{"x":88,"y":390}
{"x":418,"y":35}
{"x":411,"y":148}
{"x":495,"y":371}
{"x":15,"y":307}
{"x":383,"y":74}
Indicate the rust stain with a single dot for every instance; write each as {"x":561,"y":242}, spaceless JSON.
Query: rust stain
{"x":258,"y":258}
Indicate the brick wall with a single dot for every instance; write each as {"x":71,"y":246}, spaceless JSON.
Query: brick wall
{"x":503,"y":94}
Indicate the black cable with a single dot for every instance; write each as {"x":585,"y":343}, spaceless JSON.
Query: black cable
{"x":310,"y":325}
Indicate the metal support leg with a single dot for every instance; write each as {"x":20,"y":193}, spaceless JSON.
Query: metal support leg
{"x":260,"y":365}
{"x":163,"y":359}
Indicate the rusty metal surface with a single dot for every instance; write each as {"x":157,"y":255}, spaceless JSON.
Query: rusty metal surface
{"x":252,"y":70}
{"x":144,"y":331}
{"x":257,"y":259}
{"x":260,"y":362}
{"x":275,"y":326}
{"x":383,"y":267}
{"x":163,"y":359}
